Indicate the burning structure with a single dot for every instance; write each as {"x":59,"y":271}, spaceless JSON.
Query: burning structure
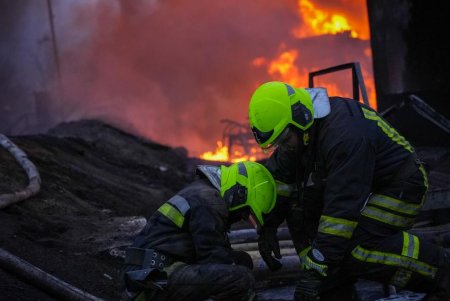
{"x":130,"y":64}
{"x":170,"y":71}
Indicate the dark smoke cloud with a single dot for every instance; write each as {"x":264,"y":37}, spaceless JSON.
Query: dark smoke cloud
{"x":24,"y":63}
{"x":170,"y":70}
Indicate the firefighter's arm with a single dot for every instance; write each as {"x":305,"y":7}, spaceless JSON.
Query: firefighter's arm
{"x":282,"y":166}
{"x":350,"y":167}
{"x":208,"y":232}
{"x":268,"y":245}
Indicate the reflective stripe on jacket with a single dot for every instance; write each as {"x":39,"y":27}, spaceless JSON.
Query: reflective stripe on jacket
{"x":356,"y":154}
{"x":190,"y":227}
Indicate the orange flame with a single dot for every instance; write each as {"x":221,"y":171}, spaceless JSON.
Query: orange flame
{"x":318,"y":21}
{"x":284,"y":68}
{"x":221,"y":154}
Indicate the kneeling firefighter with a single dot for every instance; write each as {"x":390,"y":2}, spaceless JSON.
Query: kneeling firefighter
{"x":360,"y":188}
{"x":183,"y":253}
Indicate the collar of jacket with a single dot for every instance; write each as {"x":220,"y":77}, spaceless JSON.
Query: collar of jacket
{"x":212,"y":173}
{"x":320,"y":100}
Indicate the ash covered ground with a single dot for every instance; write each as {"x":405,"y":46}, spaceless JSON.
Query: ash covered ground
{"x":95,"y":179}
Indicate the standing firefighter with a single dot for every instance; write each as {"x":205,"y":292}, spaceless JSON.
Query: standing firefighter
{"x":360,"y":187}
{"x":184,"y":253}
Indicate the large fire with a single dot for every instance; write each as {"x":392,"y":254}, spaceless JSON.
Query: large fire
{"x":285,"y":66}
{"x":322,"y":21}
{"x":173,"y":81}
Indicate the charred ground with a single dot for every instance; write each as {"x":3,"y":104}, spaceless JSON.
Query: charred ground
{"x":93,"y":175}
{"x":95,"y":179}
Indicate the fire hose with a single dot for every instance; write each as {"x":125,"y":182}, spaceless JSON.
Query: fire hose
{"x":42,"y":280}
{"x":18,"y":266}
{"x":34,"y":178}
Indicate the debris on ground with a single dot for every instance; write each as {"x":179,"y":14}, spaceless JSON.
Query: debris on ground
{"x":98,"y":185}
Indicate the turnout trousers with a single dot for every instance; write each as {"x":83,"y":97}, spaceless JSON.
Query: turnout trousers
{"x":383,"y":249}
{"x":221,"y":282}
{"x":198,"y":282}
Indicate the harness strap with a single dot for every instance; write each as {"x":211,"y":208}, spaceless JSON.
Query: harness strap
{"x":147,"y":258}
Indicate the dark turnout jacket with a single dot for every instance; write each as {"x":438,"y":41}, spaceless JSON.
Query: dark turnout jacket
{"x":190,"y":227}
{"x":353,"y":154}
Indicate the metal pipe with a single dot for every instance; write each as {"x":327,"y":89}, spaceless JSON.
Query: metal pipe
{"x":53,"y":34}
{"x":290,"y":269}
{"x":253,"y":246}
{"x":250,"y":235}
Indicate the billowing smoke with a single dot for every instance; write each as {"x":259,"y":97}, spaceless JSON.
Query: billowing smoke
{"x":171,"y":70}
{"x":25,"y":62}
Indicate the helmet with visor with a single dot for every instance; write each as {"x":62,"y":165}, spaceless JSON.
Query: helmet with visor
{"x":248,"y":185}
{"x":273,"y":107}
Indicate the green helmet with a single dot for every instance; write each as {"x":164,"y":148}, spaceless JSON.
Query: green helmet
{"x":274,"y":106}
{"x":248,"y":184}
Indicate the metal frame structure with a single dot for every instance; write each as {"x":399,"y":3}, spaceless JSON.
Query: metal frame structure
{"x":237,"y":134}
{"x":357,"y":79}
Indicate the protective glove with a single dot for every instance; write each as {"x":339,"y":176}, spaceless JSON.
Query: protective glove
{"x":308,"y":287}
{"x":315,"y":271}
{"x":268,"y":244}
{"x":313,"y":259}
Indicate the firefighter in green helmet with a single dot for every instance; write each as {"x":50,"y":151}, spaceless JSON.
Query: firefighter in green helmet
{"x":183,"y":253}
{"x":349,"y":187}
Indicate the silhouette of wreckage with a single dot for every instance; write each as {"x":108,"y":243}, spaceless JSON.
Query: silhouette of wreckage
{"x":433,"y":223}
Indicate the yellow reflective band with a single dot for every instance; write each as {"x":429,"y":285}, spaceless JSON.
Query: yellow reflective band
{"x":425,"y":177}
{"x":304,"y":252}
{"x":416,"y":247}
{"x":308,"y":264}
{"x":405,"y":249}
{"x":387,"y":217}
{"x":141,"y":297}
{"x":172,"y":213}
{"x":410,"y":245}
{"x":394,"y":260}
{"x":387,"y":129}
{"x":394,"y":204}
{"x":284,"y":189}
{"x":336,"y":226}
